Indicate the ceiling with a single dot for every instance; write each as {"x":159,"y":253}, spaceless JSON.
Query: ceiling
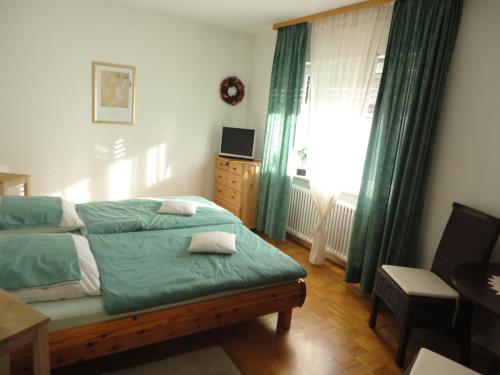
{"x":243,"y":15}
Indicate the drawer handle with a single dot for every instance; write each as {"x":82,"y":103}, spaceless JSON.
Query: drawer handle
{"x":234,"y":182}
{"x":219,"y":191}
{"x":227,"y":163}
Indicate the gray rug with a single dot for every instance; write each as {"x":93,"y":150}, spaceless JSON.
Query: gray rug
{"x":211,"y":361}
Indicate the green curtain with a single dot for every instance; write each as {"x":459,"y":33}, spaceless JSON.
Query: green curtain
{"x":284,"y":105}
{"x":389,"y":210}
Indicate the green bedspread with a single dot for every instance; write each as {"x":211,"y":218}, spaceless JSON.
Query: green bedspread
{"x":141,"y":215}
{"x":33,"y":260}
{"x":140,"y":270}
{"x":16,"y":212}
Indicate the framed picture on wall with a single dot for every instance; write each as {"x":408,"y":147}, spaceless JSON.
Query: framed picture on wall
{"x":113,"y":93}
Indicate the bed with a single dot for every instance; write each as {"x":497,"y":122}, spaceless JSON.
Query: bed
{"x":173,"y":293}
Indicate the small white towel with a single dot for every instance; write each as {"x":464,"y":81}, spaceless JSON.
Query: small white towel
{"x":494,"y":282}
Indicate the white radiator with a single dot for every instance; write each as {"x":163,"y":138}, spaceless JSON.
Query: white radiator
{"x":303,"y":216}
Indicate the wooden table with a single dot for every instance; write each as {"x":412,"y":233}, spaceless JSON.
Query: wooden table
{"x":21,"y":325}
{"x":13,"y":179}
{"x":471,"y":280}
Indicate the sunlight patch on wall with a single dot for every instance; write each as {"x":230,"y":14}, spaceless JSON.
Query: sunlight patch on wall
{"x":156,"y":169}
{"x":119,"y":150}
{"x":120,"y":179}
{"x":78,"y":192}
{"x":15,"y":190}
{"x":101,"y":152}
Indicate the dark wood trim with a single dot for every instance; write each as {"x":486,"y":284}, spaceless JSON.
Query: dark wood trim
{"x":332,"y":12}
{"x":299,"y":241}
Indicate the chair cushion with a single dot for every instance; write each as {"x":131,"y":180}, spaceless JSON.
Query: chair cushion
{"x":428,"y":362}
{"x":420,"y":282}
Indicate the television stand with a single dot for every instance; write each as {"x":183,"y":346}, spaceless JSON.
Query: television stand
{"x":237,"y":187}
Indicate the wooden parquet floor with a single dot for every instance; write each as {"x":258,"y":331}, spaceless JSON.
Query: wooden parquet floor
{"x":329,"y":335}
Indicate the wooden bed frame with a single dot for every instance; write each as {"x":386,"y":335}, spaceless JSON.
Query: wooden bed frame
{"x":78,"y":344}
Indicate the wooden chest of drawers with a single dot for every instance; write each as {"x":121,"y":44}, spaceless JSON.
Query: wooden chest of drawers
{"x":237,"y":187}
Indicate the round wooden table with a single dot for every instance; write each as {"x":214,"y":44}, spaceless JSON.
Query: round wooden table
{"x":471,"y":280}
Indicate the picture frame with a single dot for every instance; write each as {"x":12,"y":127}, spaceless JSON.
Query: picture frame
{"x":113,"y":91}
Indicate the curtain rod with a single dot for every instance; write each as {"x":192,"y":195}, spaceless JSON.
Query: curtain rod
{"x":331,"y":12}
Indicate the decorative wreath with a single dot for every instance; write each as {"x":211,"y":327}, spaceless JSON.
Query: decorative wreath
{"x":239,"y":90}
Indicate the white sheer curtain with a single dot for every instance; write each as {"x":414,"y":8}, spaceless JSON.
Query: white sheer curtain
{"x":344,"y":49}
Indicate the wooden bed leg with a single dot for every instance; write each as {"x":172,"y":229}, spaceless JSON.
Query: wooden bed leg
{"x":5,"y":364}
{"x":284,"y":320}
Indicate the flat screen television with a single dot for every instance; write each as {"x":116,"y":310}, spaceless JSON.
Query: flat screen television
{"x":237,"y":142}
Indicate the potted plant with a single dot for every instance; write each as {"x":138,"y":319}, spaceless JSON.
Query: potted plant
{"x":303,"y":157}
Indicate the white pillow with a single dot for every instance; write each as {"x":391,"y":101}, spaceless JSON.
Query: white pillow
{"x":178,"y":207}
{"x":213,"y":242}
{"x":89,"y":285}
{"x":70,"y":218}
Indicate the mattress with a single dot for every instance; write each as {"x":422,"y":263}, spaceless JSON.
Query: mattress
{"x":78,"y":312}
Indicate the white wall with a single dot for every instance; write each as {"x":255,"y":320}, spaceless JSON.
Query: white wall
{"x":263,"y":44}
{"x":45,"y":74}
{"x":466,"y":164}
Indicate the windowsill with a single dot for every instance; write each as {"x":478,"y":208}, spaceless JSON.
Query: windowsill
{"x":303,"y":182}
{"x":305,"y":178}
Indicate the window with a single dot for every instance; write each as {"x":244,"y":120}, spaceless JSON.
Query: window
{"x":299,"y":151}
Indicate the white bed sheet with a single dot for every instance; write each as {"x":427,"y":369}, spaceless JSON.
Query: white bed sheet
{"x":89,"y":285}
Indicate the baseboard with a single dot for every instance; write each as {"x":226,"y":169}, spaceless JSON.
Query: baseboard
{"x":307,"y":245}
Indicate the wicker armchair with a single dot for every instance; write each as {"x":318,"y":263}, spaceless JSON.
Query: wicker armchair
{"x":425,"y":299}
